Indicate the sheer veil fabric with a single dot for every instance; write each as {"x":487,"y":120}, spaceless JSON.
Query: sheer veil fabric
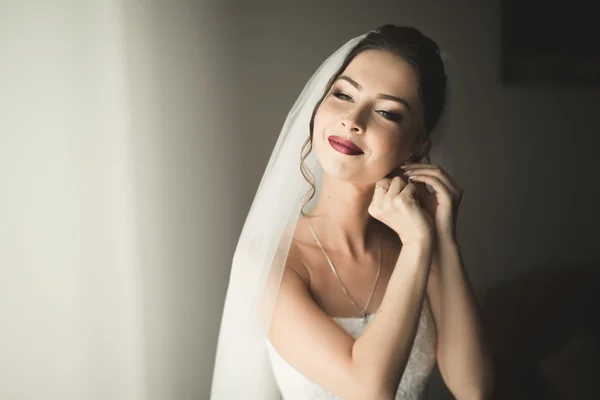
{"x":242,"y":369}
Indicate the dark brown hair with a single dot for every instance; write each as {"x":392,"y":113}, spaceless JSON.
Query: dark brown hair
{"x":417,"y":50}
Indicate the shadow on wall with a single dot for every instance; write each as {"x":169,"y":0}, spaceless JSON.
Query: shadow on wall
{"x":544,"y":330}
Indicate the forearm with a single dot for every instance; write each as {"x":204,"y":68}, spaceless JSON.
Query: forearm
{"x":465,"y":356}
{"x":381,"y":352}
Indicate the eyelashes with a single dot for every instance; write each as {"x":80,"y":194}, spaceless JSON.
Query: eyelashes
{"x":341,"y":95}
{"x":385,"y":114}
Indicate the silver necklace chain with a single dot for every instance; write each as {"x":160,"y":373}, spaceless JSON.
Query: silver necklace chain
{"x":362,"y":312}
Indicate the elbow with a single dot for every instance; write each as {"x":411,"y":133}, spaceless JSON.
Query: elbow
{"x":477,"y":385}
{"x":377,"y":383}
{"x":483,"y":390}
{"x":382,"y":389}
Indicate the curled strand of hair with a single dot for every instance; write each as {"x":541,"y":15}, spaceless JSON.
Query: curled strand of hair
{"x":306,"y":173}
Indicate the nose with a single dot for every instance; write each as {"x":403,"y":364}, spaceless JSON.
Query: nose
{"x":353,"y":123}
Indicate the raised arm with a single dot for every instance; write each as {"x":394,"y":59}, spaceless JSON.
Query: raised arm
{"x":371,"y":366}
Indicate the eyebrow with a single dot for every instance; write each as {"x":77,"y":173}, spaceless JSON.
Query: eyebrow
{"x":379,"y":96}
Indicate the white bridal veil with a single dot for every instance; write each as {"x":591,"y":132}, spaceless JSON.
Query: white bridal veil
{"x":242,"y":369}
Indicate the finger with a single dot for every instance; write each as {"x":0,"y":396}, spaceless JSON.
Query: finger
{"x":396,"y":186}
{"x":438,"y":173}
{"x":384,"y":183}
{"x":415,"y":165}
{"x":410,"y":192}
{"x":441,"y":190}
{"x":380,"y":191}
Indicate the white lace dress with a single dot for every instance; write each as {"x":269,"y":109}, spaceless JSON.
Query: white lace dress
{"x":294,"y":386}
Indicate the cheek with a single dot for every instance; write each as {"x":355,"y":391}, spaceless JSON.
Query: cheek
{"x":393,"y":141}
{"x":325,"y":117}
{"x":385,"y":150}
{"x":391,"y":146}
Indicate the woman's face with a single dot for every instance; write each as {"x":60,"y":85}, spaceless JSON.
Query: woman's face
{"x":375,"y":105}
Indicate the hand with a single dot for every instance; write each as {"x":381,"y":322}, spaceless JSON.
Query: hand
{"x":442,"y":205}
{"x":395,"y":203}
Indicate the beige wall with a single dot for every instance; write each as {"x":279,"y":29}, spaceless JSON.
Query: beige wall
{"x":70,"y":293}
{"x":118,"y":228}
{"x":187,"y":184}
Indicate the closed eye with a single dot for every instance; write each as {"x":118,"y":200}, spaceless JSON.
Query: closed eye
{"x":342,"y":96}
{"x":385,"y":114}
{"x":389,"y":115}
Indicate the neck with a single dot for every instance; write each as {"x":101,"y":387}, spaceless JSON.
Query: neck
{"x":342,"y":221}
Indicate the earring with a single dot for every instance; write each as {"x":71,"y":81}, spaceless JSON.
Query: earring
{"x":425,"y":159}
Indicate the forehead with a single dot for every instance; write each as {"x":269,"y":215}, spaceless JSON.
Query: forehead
{"x":383,"y":72}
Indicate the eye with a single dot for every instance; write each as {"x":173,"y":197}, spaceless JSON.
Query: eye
{"x":390,"y":116}
{"x":385,"y":114}
{"x":341,"y":95}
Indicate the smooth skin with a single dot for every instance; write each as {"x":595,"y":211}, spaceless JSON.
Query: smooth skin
{"x":425,"y":259}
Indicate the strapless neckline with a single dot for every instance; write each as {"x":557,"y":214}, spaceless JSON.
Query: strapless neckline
{"x":294,"y":386}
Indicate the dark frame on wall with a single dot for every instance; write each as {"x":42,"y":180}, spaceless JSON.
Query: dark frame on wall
{"x":550,"y":42}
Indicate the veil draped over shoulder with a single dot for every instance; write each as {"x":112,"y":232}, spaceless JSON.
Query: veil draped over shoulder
{"x":242,"y":369}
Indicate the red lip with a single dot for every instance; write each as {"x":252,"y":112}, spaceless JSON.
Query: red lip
{"x":343,"y":145}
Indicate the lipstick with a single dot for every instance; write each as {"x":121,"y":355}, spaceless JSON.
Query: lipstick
{"x":344,"y":146}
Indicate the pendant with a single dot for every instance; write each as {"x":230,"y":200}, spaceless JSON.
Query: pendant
{"x":364,"y":317}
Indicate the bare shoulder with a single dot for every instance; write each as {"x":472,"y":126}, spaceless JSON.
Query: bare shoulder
{"x":295,"y":262}
{"x":307,"y":338}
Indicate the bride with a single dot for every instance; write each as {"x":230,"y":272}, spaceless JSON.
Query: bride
{"x":359,"y":297}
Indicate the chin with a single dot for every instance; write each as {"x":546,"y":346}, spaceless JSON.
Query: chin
{"x":335,"y":164}
{"x":344,"y":171}
{"x":340,"y":174}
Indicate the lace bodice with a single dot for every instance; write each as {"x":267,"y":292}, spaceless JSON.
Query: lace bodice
{"x":294,"y":386}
